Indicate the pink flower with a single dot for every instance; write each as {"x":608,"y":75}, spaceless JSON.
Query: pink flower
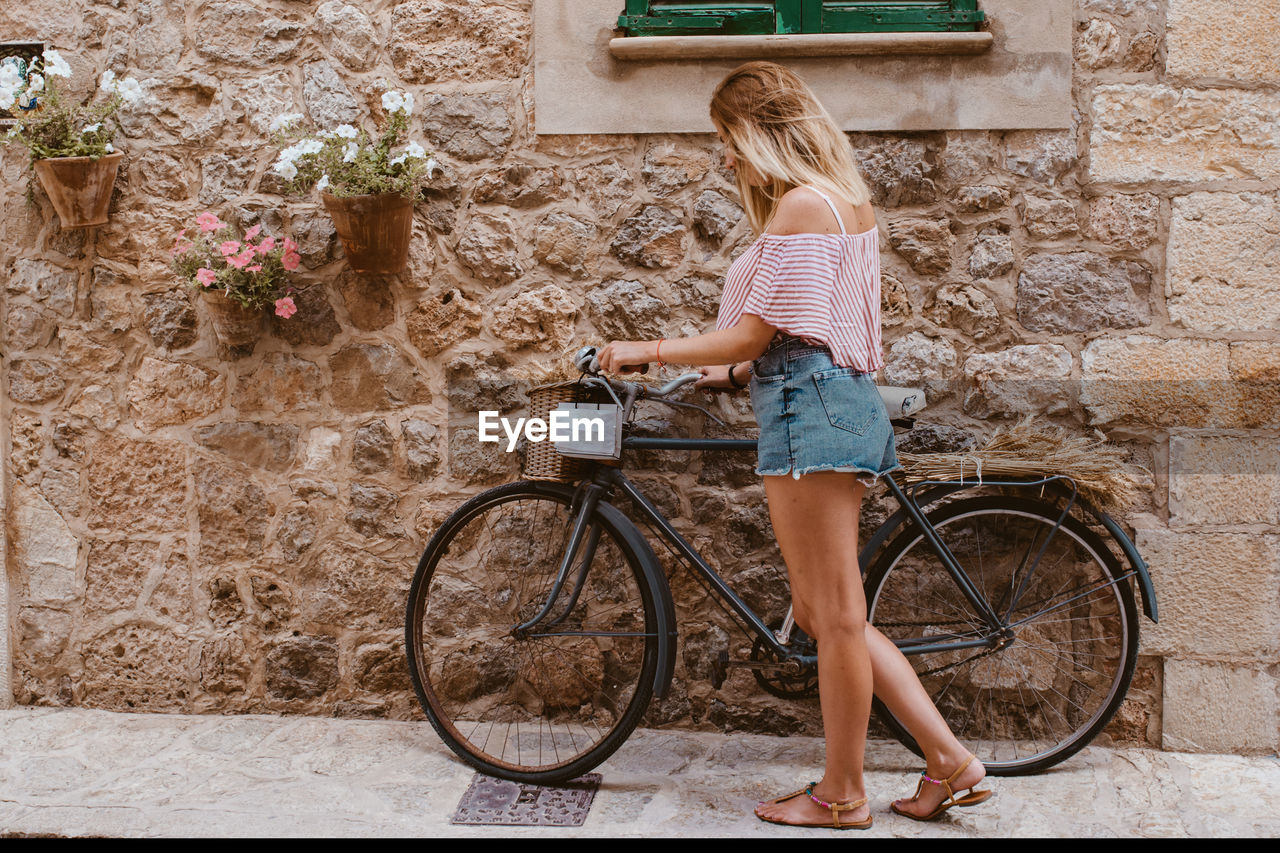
{"x":206,"y":276}
{"x":252,"y":232}
{"x":266,"y":245}
{"x":289,"y":245}
{"x":290,"y":260}
{"x":254,"y":268}
{"x":285,"y":307}
{"x":229,"y":248}
{"x":209,"y":222}
{"x":181,"y":246}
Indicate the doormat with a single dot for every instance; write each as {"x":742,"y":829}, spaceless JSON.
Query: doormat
{"x":498,"y":802}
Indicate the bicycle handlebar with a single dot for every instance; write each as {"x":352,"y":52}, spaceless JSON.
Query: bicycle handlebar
{"x":587,"y":362}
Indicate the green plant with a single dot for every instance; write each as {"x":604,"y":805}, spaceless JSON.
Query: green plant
{"x":348,"y":161}
{"x":51,"y":125}
{"x":254,"y":275}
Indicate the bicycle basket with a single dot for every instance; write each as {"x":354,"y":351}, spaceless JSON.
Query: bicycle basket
{"x":541,"y":461}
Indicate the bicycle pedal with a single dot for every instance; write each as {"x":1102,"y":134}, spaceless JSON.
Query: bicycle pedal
{"x":719,"y":670}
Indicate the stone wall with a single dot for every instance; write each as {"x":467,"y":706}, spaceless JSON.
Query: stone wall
{"x":194,"y":529}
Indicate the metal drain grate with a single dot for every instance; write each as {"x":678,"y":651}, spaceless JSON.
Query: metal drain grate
{"x":497,"y":802}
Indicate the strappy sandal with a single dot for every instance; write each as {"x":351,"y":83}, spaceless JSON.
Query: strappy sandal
{"x":970,"y":799}
{"x":834,"y":808}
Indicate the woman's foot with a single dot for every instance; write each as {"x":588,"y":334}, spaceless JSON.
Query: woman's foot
{"x":932,"y":793}
{"x":800,"y":810}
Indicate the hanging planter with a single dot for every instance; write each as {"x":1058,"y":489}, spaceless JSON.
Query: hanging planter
{"x":233,"y":324}
{"x":368,"y":183}
{"x":238,"y":278}
{"x":70,"y":142}
{"x":79,"y":187}
{"x":374,"y":230}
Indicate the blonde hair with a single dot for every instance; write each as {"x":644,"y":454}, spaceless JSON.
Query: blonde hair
{"x":774,"y":123}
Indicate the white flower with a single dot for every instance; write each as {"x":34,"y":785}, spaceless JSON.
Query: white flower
{"x":432,"y":165}
{"x":54,"y":64}
{"x":281,"y":122}
{"x":285,"y":169}
{"x":130,"y":90}
{"x":10,"y":76}
{"x":394,"y":101}
{"x":309,"y":146}
{"x":111,"y":149}
{"x":349,"y":153}
{"x":93,"y":128}
{"x":35,"y":83}
{"x":396,"y":160}
{"x":346,"y":131}
{"x":413,"y":149}
{"x":323,"y":183}
{"x":408,"y":103}
{"x":108,"y":83}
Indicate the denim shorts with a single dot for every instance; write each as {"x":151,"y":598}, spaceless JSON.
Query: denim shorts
{"x":817,"y":416}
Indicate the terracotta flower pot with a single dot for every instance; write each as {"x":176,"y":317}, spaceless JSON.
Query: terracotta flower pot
{"x":79,"y":187}
{"x":235,"y":325}
{"x":374,"y":229}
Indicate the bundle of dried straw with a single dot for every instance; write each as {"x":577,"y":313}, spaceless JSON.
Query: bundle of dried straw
{"x":1026,"y":450}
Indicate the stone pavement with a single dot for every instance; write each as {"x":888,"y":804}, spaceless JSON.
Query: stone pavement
{"x":78,"y":772}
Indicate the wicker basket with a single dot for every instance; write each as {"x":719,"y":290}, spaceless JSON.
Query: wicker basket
{"x":541,"y":461}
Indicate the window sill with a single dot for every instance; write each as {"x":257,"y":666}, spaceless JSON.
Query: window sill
{"x":797,"y":45}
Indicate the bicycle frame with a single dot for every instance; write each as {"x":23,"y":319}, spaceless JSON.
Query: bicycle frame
{"x":605,"y":478}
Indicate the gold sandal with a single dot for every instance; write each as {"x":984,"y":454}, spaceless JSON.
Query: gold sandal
{"x":970,"y":799}
{"x":834,"y":808}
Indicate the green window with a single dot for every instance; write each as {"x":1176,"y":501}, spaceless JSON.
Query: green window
{"x":755,"y":17}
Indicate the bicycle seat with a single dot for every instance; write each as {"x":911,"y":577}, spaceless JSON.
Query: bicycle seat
{"x":901,"y":402}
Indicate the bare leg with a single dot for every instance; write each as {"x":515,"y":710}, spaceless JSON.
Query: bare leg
{"x":899,"y":688}
{"x":811,"y":520}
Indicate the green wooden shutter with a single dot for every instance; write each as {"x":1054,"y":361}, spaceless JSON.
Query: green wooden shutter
{"x":755,"y":17}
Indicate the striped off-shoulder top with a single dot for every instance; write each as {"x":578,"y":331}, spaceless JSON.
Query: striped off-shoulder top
{"x":824,"y":288}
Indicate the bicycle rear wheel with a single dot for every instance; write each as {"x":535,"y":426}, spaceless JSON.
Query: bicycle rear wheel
{"x":1045,"y":695}
{"x":551,"y":704}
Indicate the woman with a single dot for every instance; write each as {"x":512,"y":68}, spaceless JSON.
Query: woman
{"x":803,"y":302}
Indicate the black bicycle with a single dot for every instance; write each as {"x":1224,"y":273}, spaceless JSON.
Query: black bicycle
{"x":540,"y":622}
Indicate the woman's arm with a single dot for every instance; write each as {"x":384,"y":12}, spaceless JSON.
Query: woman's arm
{"x":744,"y":342}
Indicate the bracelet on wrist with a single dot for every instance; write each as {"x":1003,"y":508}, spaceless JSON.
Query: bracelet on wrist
{"x":734,"y":382}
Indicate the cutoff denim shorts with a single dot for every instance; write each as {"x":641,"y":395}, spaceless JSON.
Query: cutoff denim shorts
{"x":817,"y":416}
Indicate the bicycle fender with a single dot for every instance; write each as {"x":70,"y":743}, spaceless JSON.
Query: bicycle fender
{"x":1139,"y":565}
{"x":663,"y":603}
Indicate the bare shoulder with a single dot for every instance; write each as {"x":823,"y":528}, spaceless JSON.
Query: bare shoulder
{"x":802,"y":211}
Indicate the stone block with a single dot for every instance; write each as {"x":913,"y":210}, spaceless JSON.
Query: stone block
{"x":1019,"y":381}
{"x":442,"y":320}
{"x":372,"y":447}
{"x":173,"y":392}
{"x":45,"y":282}
{"x":370,"y":301}
{"x":1125,"y":221}
{"x":422,"y":454}
{"x":520,"y":185}
{"x":136,"y":668}
{"x":895,"y":302}
{"x":469,"y":127}
{"x":654,"y":237}
{"x":137,"y":486}
{"x":329,"y":101}
{"x":281,"y":381}
{"x":624,"y":310}
{"x":373,"y":511}
{"x":301,"y":667}
{"x":562,"y":241}
{"x":1223,"y":480}
{"x":34,"y":380}
{"x":270,"y":446}
{"x":542,"y":318}
{"x":488,"y":248}
{"x":1219,"y":594}
{"x":353,"y":588}
{"x":1224,"y":262}
{"x":45,"y":548}
{"x":925,"y":243}
{"x":715,"y":215}
{"x":1081,"y":291}
{"x":668,"y":167}
{"x":605,"y":186}
{"x":1160,"y":133}
{"x":435,"y":40}
{"x":965,"y":308}
{"x":1185,"y":382}
{"x":898,"y":171}
{"x":233,"y":512}
{"x":1219,"y":707}
{"x":171,"y":321}
{"x":1098,"y":44}
{"x":917,"y":360}
{"x":992,"y":255}
{"x":348,"y":34}
{"x":246,"y":34}
{"x":369,"y":377}
{"x":116,"y":572}
{"x":1236,"y":40}
{"x":1049,"y":218}
{"x":1042,"y":155}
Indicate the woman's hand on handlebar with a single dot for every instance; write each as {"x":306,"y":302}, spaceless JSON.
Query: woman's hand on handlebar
{"x":626,"y":356}
{"x":714,"y":378}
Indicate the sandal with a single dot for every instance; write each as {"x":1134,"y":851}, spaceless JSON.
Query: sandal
{"x":970,"y":799}
{"x":834,"y":808}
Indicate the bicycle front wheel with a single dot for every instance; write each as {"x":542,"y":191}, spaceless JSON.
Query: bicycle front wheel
{"x":550,"y":702}
{"x":1047,"y":693}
